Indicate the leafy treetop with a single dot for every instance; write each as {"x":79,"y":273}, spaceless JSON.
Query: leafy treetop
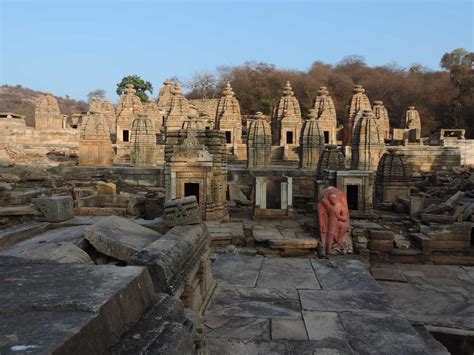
{"x":140,"y":85}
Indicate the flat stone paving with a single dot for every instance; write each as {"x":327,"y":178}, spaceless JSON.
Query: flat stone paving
{"x":433,"y":295}
{"x":265,"y":305}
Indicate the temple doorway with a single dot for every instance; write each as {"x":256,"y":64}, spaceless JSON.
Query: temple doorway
{"x":191,"y":189}
{"x":353,"y":197}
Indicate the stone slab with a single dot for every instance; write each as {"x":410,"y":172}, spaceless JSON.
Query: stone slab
{"x":288,"y":329}
{"x":254,"y":302}
{"x":237,"y":327}
{"x":286,"y":273}
{"x":323,"y":326}
{"x":263,"y":235}
{"x":382,"y":334}
{"x":344,"y":275}
{"x":323,"y":347}
{"x":242,"y":270}
{"x":223,"y":346}
{"x":345,"y":301}
{"x":119,"y":237}
{"x":69,"y":308}
{"x":293,"y":243}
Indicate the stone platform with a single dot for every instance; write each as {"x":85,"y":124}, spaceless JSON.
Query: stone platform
{"x":265,"y":305}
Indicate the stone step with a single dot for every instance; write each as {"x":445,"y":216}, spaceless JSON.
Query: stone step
{"x":293,"y":243}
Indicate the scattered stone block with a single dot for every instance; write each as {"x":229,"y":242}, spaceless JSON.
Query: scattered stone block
{"x":106,"y":188}
{"x":119,"y":237}
{"x":55,"y":208}
{"x":182,"y":211}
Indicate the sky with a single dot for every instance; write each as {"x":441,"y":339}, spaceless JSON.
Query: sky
{"x":73,"y":47}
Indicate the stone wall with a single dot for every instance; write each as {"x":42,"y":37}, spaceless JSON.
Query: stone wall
{"x":422,"y":158}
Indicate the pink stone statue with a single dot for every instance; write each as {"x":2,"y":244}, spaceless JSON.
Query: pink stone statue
{"x":334,"y":222}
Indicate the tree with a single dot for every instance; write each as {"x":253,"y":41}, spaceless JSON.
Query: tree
{"x":140,"y":85}
{"x":459,"y":63}
{"x":202,"y":86}
{"x":97,"y":92}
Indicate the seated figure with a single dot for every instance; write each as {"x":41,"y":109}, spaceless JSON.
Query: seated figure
{"x":334,"y":222}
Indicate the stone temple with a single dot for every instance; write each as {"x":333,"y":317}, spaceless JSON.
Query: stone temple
{"x":179,"y":226}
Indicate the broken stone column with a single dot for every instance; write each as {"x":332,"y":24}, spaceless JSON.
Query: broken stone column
{"x":47,"y":114}
{"x":143,"y":142}
{"x":55,"y":208}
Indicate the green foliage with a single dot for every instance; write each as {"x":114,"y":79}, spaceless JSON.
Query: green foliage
{"x":140,"y":85}
{"x":265,"y":106}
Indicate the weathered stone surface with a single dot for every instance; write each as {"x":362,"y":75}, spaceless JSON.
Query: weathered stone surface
{"x":254,"y":302}
{"x":179,"y":264}
{"x":223,"y":346}
{"x":279,"y":273}
{"x":163,"y":329}
{"x":182,"y":211}
{"x":228,"y":117}
{"x":57,"y":308}
{"x":95,"y":146}
{"x":367,"y":143}
{"x":106,"y":188}
{"x":237,"y":270}
{"x":312,"y":347}
{"x":287,"y":118}
{"x":143,"y":141}
{"x":386,"y":334}
{"x":47,"y":114}
{"x":344,"y":275}
{"x":413,"y":123}
{"x":345,"y":301}
{"x":288,"y":329}
{"x":265,"y":234}
{"x":381,"y":112}
{"x":311,"y":142}
{"x":358,"y":104}
{"x":55,"y":208}
{"x":259,"y":143}
{"x":237,"y":327}
{"x":119,"y":237}
{"x":323,"y":326}
{"x":293,"y":243}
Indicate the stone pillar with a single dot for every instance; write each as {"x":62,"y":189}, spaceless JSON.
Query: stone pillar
{"x":290,"y":192}
{"x":173,"y":185}
{"x":284,"y":195}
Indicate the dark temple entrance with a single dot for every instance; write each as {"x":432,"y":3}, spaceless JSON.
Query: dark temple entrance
{"x":353,"y":197}
{"x":191,"y":189}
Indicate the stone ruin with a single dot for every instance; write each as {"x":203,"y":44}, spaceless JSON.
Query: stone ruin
{"x":411,"y":211}
{"x":143,"y":141}
{"x":367,"y":143}
{"x":312,"y":142}
{"x":108,"y":111}
{"x":358,"y":104}
{"x":413,"y":124}
{"x":382,"y":114}
{"x":228,"y":117}
{"x":393,"y":177}
{"x":152,"y":110}
{"x":47,"y":114}
{"x":95,"y":146}
{"x":259,"y":143}
{"x":128,"y":107}
{"x":286,"y":119}
{"x":178,"y":110}
{"x":326,"y":115}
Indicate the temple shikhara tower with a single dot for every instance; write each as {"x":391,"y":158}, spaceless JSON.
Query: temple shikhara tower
{"x":326,"y":115}
{"x":179,"y":109}
{"x":259,"y":143}
{"x":165,"y":95}
{"x":152,"y":110}
{"x":228,"y":117}
{"x":47,"y":114}
{"x":95,"y":147}
{"x":367,"y":143}
{"x":381,"y":113}
{"x":312,"y":142}
{"x":128,"y":107}
{"x":358,"y":104}
{"x":143,"y":141}
{"x":108,"y":111}
{"x":286,"y":119}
